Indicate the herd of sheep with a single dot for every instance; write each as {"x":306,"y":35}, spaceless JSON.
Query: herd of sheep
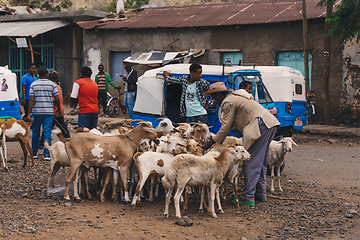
{"x":171,"y":152}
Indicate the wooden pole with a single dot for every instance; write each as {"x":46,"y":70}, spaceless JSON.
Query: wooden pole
{"x":306,"y":48}
{"x":31,"y":49}
{"x":325,"y":95}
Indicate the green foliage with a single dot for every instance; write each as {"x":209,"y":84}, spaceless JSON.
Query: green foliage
{"x":135,"y":3}
{"x":43,"y":4}
{"x":345,"y":21}
{"x":109,"y":8}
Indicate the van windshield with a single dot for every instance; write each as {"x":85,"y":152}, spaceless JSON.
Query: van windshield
{"x":259,"y":90}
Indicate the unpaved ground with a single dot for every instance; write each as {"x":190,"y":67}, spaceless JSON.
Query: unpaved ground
{"x":325,"y":172}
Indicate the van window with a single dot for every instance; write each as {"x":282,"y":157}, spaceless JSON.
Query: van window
{"x":298,"y":89}
{"x":259,"y":91}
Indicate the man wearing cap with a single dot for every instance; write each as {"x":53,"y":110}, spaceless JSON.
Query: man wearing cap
{"x":239,"y":109}
{"x":193,"y":103}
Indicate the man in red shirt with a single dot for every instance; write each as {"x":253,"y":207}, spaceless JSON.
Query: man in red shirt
{"x":85,"y":92}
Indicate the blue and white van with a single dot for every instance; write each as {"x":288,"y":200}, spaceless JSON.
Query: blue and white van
{"x":287,"y":88}
{"x":9,"y":98}
{"x":155,"y":99}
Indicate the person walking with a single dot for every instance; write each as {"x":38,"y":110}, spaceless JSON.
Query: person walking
{"x":239,"y":109}
{"x":193,"y":103}
{"x":26,"y":81}
{"x":85,"y":93}
{"x":58,"y":118}
{"x":41,"y":105}
{"x":103,"y":80}
{"x":130,"y":89}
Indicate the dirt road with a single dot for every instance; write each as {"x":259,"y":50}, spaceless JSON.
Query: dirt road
{"x":327,"y":173}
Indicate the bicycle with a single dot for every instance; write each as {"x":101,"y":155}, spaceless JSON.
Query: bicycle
{"x":114,"y":104}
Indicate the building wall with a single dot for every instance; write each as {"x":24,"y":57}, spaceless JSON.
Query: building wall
{"x":63,"y":50}
{"x":259,"y":45}
{"x":351,"y":74}
{"x":4,"y":51}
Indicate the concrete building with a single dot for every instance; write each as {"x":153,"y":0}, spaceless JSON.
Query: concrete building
{"x":53,"y":37}
{"x":255,"y":33}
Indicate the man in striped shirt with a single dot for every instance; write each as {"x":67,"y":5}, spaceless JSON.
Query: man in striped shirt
{"x":41,"y":105}
{"x":103,"y":79}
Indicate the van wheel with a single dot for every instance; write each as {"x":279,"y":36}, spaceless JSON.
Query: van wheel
{"x":269,"y":170}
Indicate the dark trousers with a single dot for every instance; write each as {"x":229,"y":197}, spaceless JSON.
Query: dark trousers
{"x":60,"y":123}
{"x":102,"y":98}
{"x":26,"y":107}
{"x":201,"y":118}
{"x":255,"y":169}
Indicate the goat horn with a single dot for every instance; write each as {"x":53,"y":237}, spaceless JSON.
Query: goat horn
{"x":159,"y":119}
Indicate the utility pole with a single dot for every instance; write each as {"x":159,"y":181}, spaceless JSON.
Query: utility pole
{"x":325,"y":95}
{"x":306,"y":47}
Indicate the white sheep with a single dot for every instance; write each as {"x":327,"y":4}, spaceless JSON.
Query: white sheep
{"x":195,"y":171}
{"x":3,"y":149}
{"x":166,"y":125}
{"x":277,"y":151}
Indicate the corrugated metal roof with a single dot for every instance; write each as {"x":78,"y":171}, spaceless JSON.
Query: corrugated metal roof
{"x":210,"y":15}
{"x":26,"y":29}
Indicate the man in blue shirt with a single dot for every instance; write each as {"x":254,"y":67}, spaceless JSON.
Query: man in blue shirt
{"x":26,"y":81}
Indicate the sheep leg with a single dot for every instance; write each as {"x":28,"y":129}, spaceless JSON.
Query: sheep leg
{"x":132,"y":176}
{"x":178,"y":193}
{"x":142,"y":181}
{"x":218,"y":199}
{"x":24,"y":151}
{"x":86,"y":179}
{"x":151,"y":194}
{"x":2,"y":157}
{"x":73,"y":168}
{"x":212,"y":199}
{"x":156,"y":193}
{"x":278,"y":175}
{"x":167,"y":201}
{"x":202,"y":199}
{"x":186,"y":201}
{"x":115,"y":181}
{"x":272,"y":179}
{"x":27,"y":145}
{"x":76,"y":184}
{"x":124,"y":176}
{"x":106,"y":182}
{"x":236,"y":189}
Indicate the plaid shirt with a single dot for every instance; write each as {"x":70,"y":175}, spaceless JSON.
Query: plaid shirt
{"x":201,"y":87}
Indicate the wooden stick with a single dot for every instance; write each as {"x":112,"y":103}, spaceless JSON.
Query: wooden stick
{"x":31,"y":50}
{"x":295,"y":199}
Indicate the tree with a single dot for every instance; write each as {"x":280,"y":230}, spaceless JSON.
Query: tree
{"x":43,"y":4}
{"x":325,"y":96}
{"x":345,"y":21}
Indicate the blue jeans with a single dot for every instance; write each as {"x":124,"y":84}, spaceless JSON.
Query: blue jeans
{"x":46,"y":122}
{"x":201,"y":118}
{"x":129,"y":102}
{"x":89,"y":120}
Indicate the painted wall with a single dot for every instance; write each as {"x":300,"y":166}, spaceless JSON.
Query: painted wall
{"x":351,"y":75}
{"x":259,"y":45}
